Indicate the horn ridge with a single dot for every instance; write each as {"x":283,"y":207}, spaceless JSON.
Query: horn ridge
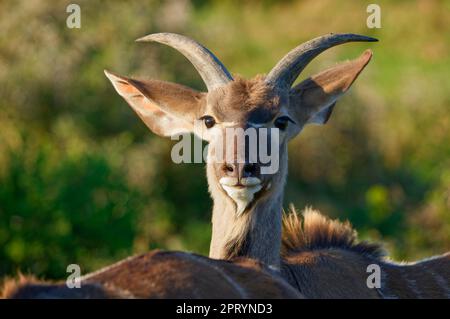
{"x":212,"y":71}
{"x":286,"y":71}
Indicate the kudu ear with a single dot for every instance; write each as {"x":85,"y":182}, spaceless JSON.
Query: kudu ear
{"x":313,"y":100}
{"x":166,"y":108}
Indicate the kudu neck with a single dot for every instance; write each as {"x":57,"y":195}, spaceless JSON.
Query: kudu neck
{"x":257,"y":232}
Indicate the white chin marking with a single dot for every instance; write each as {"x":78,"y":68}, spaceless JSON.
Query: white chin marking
{"x":242,"y":196}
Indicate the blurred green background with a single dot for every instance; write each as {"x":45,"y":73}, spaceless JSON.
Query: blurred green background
{"x":83,"y":181}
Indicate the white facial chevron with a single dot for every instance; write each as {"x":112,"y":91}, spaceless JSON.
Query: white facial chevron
{"x":243,"y":194}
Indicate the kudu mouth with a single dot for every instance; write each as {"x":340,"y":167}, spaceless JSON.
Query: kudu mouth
{"x":242,"y":192}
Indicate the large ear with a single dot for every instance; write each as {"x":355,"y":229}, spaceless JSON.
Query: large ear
{"x":313,"y":100}
{"x":166,"y":108}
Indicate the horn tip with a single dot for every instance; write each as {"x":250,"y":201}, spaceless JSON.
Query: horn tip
{"x":156,"y":37}
{"x":354,"y":37}
{"x":147,"y":38}
{"x":370,"y":39}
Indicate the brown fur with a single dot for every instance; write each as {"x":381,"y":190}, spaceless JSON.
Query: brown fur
{"x":324,"y":259}
{"x":161,"y":104}
{"x":161,"y":274}
{"x":428,"y":278}
{"x":324,"y":88}
{"x":328,"y":273}
{"x":315,"y":231}
{"x":245,"y":100}
{"x":11,"y":285}
{"x":28,"y":287}
{"x":175,"y":98}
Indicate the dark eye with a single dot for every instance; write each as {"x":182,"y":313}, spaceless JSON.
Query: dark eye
{"x":209,"y":121}
{"x":282,"y":122}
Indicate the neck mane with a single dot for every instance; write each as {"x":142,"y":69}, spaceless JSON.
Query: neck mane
{"x":257,"y":232}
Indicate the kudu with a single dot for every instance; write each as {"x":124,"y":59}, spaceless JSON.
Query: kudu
{"x":246,"y":216}
{"x":321,"y":258}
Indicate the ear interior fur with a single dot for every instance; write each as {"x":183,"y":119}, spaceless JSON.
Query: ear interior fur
{"x":313,"y":100}
{"x":166,"y":108}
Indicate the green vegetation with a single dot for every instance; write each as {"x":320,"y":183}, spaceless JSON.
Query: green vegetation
{"x":83,"y":181}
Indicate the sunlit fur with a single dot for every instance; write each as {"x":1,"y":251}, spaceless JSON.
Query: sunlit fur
{"x":160,"y":274}
{"x":323,"y":258}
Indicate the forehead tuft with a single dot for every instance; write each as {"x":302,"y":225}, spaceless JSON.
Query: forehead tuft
{"x":247,"y":100}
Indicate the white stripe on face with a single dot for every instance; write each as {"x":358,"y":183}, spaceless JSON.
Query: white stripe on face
{"x":242,"y":196}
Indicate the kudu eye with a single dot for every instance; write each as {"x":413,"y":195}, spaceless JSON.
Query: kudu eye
{"x":209,"y":121}
{"x":282,"y":122}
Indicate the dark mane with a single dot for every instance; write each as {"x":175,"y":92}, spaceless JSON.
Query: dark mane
{"x":311,"y":230}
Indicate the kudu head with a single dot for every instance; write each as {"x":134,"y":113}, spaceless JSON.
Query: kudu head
{"x":235,"y":114}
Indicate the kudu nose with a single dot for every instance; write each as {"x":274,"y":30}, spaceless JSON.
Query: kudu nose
{"x":241,"y":170}
{"x":250,"y":170}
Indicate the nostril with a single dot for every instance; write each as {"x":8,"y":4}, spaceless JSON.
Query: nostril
{"x":229,"y":168}
{"x":250,"y":168}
